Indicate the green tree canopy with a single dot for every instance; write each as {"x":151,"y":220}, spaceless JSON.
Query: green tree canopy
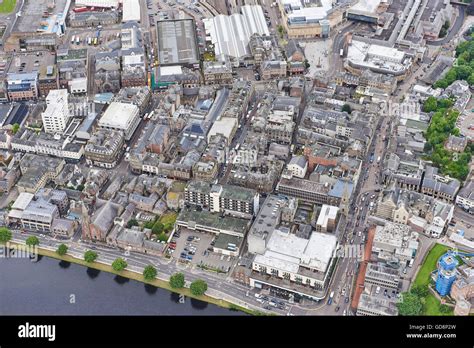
{"x":119,"y":264}
{"x":177,"y":281}
{"x":157,"y":228}
{"x":431,"y":104}
{"x":5,"y":235}
{"x":132,"y":222}
{"x":420,"y":291}
{"x":149,"y":273}
{"x":410,"y":305}
{"x":62,"y":249}
{"x":198,"y":287}
{"x":32,"y":241}
{"x":15,"y":128}
{"x":347,"y":108}
{"x":90,"y":256}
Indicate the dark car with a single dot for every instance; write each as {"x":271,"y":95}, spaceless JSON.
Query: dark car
{"x":337,"y":309}
{"x":346,"y":300}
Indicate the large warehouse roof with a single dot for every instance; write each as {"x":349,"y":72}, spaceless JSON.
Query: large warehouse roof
{"x":177,"y":42}
{"x":131,"y":10}
{"x":231,"y":34}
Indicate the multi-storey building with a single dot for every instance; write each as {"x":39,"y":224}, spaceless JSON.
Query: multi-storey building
{"x":121,"y":117}
{"x":56,"y":115}
{"x":104,"y":148}
{"x":229,"y":199}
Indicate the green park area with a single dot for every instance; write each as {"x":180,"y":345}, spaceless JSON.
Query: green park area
{"x":442,"y":125}
{"x":419,"y":300}
{"x":7,"y":6}
{"x":463,"y":68}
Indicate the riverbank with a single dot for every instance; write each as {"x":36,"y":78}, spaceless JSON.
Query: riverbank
{"x":159,"y":283}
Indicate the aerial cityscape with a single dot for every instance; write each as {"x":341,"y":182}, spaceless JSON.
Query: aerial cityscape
{"x":286,"y":157}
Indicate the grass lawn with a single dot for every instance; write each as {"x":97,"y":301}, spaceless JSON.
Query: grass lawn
{"x":432,"y":306}
{"x":423,"y":276}
{"x":423,"y":279}
{"x":168,"y":218}
{"x":7,"y":6}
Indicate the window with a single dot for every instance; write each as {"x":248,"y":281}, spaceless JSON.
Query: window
{"x":299,"y":280}
{"x":286,"y":275}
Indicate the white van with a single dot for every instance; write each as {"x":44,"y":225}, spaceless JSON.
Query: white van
{"x":377,"y":291}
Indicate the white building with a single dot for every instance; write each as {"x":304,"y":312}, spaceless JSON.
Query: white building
{"x":130,"y":10}
{"x":121,"y":116}
{"x":305,"y":262}
{"x":226,"y":127}
{"x":395,"y":241}
{"x":56,"y":115}
{"x":380,"y":59}
{"x":327,"y":218}
{"x":298,"y":166}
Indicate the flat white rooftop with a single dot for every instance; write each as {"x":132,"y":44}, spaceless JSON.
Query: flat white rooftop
{"x":287,"y":252}
{"x":131,"y":10}
{"x":24,"y":198}
{"x":298,"y":8}
{"x":118,"y":115}
{"x":327,"y":212}
{"x":365,"y":6}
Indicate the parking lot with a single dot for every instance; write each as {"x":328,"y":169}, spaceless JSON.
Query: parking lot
{"x":195,"y":248}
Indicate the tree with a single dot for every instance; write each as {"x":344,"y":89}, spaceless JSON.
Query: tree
{"x":32,"y":241}
{"x":5,"y":235}
{"x":90,"y":256}
{"x":62,"y":249}
{"x":15,"y":128}
{"x":149,"y":273}
{"x":131,"y":223}
{"x":411,"y":304}
{"x":177,"y":281}
{"x":162,"y":237}
{"x":347,"y":108}
{"x":157,"y":228}
{"x":119,"y":264}
{"x":445,"y":309}
{"x":420,"y":291}
{"x":149,"y":224}
{"x":198,"y":287}
{"x":281,"y":30}
{"x":431,"y":104}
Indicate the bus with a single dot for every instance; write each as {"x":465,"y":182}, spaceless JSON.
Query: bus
{"x":73,"y":39}
{"x":330,"y":298}
{"x":341,"y":52}
{"x":78,"y":40}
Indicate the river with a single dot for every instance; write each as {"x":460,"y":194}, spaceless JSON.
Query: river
{"x":49,"y":287}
